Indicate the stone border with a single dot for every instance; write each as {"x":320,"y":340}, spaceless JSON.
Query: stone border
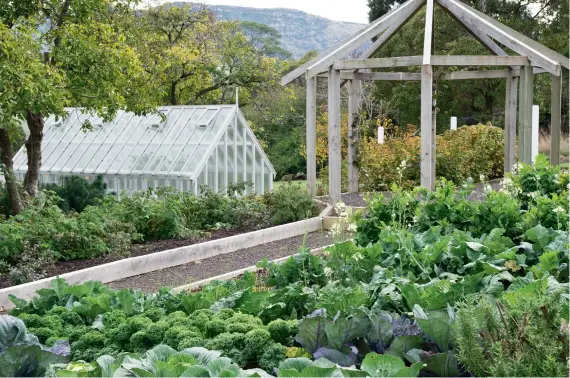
{"x":134,"y":266}
{"x":239,"y":272}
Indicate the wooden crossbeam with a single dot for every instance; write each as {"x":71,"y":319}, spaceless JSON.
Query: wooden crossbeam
{"x":478,"y":60}
{"x":538,"y":54}
{"x":404,"y":61}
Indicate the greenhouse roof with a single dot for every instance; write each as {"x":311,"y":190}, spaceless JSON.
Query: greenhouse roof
{"x":174,"y":143}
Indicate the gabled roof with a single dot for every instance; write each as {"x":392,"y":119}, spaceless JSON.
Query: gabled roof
{"x":176,"y":143}
{"x":483,"y":27}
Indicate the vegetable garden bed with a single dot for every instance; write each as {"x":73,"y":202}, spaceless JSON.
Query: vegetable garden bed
{"x":434,"y":286}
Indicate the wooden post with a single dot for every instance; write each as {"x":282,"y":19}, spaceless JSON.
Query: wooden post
{"x":520,"y":130}
{"x":353,"y":135}
{"x":334,"y":136}
{"x":311,"y":119}
{"x":555,"y":115}
{"x":526,"y":105}
{"x":427,"y":128}
{"x":534,"y":135}
{"x":510,"y":123}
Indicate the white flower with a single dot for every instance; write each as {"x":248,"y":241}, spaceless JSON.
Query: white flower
{"x":328,"y":271}
{"x":517,"y":167}
{"x":559,"y":209}
{"x":352,"y":227}
{"x":507,"y":182}
{"x":357,"y":257}
{"x":482,"y":178}
{"x":533,"y":195}
{"x":336,"y":229}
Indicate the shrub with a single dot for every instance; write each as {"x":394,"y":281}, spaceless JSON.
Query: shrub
{"x":470,"y":151}
{"x":523,"y":335}
{"x":77,"y":193}
{"x":289,"y":203}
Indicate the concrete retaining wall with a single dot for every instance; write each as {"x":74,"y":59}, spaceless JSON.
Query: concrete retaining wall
{"x":133,"y":266}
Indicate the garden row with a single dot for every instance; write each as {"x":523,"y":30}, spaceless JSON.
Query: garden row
{"x":424,"y":289}
{"x":51,"y":230}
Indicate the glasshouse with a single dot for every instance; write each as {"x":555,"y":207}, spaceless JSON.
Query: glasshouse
{"x":182,"y":147}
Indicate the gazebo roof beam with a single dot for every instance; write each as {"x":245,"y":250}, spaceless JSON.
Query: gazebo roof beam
{"x":428,"y":34}
{"x":413,"y":76}
{"x":302,"y":69}
{"x":478,"y":60}
{"x":403,"y":61}
{"x":436,"y":60}
{"x":483,"y":38}
{"x":377,"y":76}
{"x":383,"y":39}
{"x":400,"y":13}
{"x":538,"y":54}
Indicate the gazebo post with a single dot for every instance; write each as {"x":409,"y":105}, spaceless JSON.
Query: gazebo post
{"x":353,"y":134}
{"x":525,"y":113}
{"x":555,"y":116}
{"x":510,"y":122}
{"x":311,"y":120}
{"x":427,"y":171}
{"x":334,"y":135}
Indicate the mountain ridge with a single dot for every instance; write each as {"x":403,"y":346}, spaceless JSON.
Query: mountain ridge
{"x":300,"y":31}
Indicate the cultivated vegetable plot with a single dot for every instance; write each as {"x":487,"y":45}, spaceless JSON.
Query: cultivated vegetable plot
{"x":434,"y":285}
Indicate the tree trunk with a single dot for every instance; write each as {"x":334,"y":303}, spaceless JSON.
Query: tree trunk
{"x":8,"y":169}
{"x":34,"y":149}
{"x":173,"y":97}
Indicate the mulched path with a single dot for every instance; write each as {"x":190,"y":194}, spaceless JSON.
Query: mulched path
{"x":138,"y":250}
{"x":214,"y":266}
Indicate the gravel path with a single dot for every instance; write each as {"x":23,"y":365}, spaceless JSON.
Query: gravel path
{"x":214,"y":266}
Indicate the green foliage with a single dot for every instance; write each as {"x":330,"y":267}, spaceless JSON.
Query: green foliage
{"x":77,"y":193}
{"x":289,"y":203}
{"x":282,"y":331}
{"x":21,"y":354}
{"x":459,"y":289}
{"x":160,"y":361}
{"x":523,"y":334}
{"x":43,"y":233}
{"x":468,"y":152}
{"x":304,"y":267}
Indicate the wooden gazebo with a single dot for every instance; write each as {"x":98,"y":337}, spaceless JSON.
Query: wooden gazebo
{"x":534,"y":59}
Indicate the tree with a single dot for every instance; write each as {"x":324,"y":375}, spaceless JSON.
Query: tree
{"x":87,"y":64}
{"x":378,"y":8}
{"x":264,"y":39}
{"x":193,"y":58}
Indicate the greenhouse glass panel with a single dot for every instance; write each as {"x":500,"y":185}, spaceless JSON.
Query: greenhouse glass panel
{"x":90,"y":139}
{"x":63,"y":144}
{"x":121,"y":129}
{"x":181,"y":148}
{"x":120,"y":153}
{"x":167,"y":144}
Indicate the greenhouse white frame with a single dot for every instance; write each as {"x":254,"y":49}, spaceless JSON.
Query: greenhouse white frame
{"x":184,"y":147}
